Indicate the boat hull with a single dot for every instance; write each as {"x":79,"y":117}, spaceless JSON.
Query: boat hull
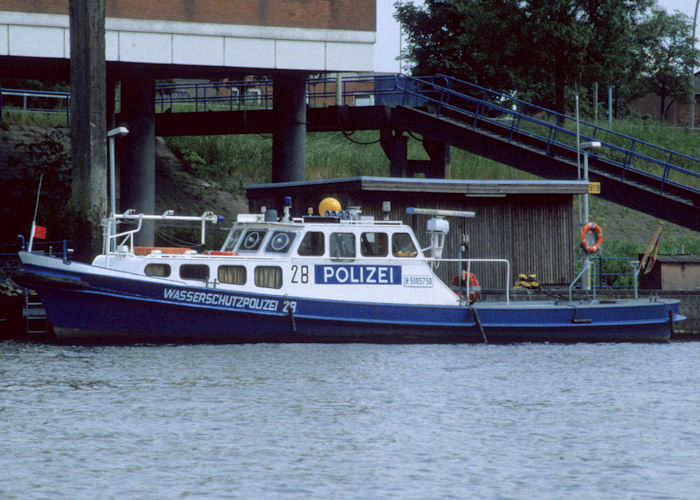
{"x":91,"y":307}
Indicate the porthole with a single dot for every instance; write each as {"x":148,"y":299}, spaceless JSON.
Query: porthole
{"x":252,"y":240}
{"x":280,"y":242}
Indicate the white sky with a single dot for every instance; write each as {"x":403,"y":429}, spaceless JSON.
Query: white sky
{"x":387,"y":48}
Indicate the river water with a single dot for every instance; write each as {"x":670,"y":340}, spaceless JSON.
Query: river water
{"x":350,"y":421}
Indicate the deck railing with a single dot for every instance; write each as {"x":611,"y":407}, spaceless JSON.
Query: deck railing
{"x":466,"y":265}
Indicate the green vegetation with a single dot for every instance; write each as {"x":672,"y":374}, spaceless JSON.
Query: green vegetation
{"x":248,"y":159}
{"x":548,"y":51}
{"x":234,"y":161}
{"x":32,"y":119}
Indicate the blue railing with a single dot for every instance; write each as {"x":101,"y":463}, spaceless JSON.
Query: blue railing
{"x":257,"y":94}
{"x":614,"y":272}
{"x":31,"y":100}
{"x":610,"y":273}
{"x":219,"y":96}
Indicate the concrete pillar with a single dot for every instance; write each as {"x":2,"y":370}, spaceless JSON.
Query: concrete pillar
{"x":289,"y":136}
{"x":136,"y":151}
{"x":439,"y":153}
{"x":88,"y":125}
{"x":395,"y":146}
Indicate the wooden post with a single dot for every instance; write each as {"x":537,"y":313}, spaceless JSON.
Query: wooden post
{"x":88,"y":122}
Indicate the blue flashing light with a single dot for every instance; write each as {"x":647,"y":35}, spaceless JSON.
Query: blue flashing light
{"x":287,"y":201}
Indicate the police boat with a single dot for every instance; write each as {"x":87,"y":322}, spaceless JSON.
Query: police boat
{"x":336,"y":276}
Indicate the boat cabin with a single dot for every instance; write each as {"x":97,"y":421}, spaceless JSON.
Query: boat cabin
{"x":346,"y":251}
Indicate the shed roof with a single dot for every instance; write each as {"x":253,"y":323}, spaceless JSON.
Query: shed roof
{"x":678,"y":259}
{"x":398,"y":184}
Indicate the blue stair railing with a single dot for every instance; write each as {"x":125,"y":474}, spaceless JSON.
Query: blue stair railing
{"x":475,"y":106}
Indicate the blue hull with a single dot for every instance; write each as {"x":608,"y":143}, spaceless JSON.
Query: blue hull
{"x":93,"y":308}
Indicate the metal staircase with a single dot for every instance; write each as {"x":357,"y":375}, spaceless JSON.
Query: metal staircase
{"x":633,"y":173}
{"x":448,"y":111}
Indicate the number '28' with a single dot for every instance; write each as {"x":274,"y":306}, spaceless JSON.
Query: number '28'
{"x":300,"y":274}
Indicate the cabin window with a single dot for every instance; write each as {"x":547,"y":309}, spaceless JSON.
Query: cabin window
{"x":231,"y":240}
{"x":160,"y":270}
{"x":402,"y":245}
{"x":252,"y":239}
{"x":342,"y":245}
{"x":312,"y":245}
{"x":194,"y":272}
{"x":280,"y":242}
{"x":234,"y":275}
{"x":374,"y":244}
{"x":268,"y":276}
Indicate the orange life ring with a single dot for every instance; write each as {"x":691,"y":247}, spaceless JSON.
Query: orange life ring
{"x":474,"y":287}
{"x":591,"y":226}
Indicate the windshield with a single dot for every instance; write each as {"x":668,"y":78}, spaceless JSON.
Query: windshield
{"x":232,"y":239}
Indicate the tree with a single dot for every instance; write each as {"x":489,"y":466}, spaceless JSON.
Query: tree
{"x":467,"y":39}
{"x":669,"y":56}
{"x":541,"y":47}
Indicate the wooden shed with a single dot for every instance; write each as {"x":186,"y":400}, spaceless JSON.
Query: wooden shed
{"x":530,"y":223}
{"x":672,"y":272}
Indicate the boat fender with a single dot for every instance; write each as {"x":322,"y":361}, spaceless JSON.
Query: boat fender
{"x":595,"y":228}
{"x":474,"y":287}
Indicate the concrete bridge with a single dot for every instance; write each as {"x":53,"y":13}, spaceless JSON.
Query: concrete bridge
{"x":96,"y":43}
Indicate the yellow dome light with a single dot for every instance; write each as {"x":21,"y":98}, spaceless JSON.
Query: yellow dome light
{"x":330,"y":204}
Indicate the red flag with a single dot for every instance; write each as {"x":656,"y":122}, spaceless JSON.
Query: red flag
{"x":40,"y":232}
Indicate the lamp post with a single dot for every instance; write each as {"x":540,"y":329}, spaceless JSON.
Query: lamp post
{"x":115,"y":132}
{"x":587,"y":147}
{"x":692,"y":70}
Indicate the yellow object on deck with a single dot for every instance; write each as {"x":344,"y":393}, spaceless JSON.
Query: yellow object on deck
{"x":329,"y":204}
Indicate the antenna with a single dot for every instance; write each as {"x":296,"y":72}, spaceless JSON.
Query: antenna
{"x":36,"y":209}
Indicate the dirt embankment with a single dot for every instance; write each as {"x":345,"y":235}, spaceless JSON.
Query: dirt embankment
{"x":27,"y":151}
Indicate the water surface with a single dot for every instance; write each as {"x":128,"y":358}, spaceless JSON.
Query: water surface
{"x":350,"y":421}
